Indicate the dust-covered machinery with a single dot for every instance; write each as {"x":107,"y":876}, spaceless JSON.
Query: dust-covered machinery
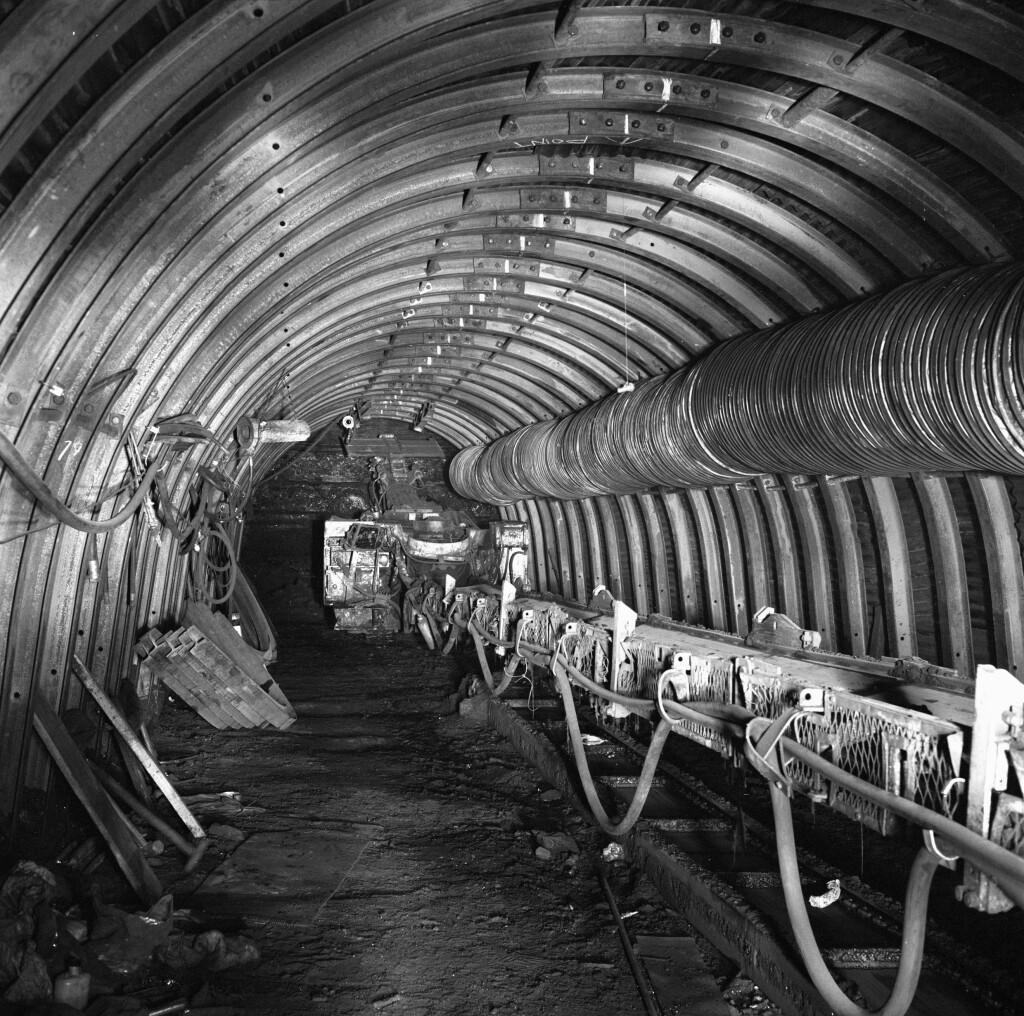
{"x":379,"y":568}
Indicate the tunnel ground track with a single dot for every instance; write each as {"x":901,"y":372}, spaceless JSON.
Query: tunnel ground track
{"x":715,"y":862}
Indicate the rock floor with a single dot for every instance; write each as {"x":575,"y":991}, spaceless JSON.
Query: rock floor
{"x":448,"y":909}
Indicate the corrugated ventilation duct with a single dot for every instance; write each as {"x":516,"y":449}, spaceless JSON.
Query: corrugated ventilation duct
{"x":928,"y":377}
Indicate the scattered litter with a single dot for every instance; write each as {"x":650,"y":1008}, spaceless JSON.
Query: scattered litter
{"x":828,"y":897}
{"x":24,"y":887}
{"x":614,"y":852}
{"x":33,"y":983}
{"x":72,"y":987}
{"x":383,"y":1003}
{"x":592,"y":740}
{"x":123,"y":941}
{"x":551,"y":795}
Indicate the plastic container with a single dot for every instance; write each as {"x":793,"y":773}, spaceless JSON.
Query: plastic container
{"x":72,"y":988}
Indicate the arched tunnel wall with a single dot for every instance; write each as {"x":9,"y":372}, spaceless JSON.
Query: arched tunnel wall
{"x":923,"y":565}
{"x":481,"y":214}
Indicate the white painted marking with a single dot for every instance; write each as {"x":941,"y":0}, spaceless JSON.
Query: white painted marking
{"x":666,"y":89}
{"x":716,"y":31}
{"x":567,"y":198}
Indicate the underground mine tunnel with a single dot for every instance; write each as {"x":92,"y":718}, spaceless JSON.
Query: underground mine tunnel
{"x":520,"y":501}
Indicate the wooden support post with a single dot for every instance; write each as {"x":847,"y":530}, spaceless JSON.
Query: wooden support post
{"x":880,"y":45}
{"x":102,"y":810}
{"x":665,"y":209}
{"x":566,"y":27}
{"x":192,"y":851}
{"x":814,"y":99}
{"x":535,"y":81}
{"x":708,"y":171}
{"x":133,"y":741}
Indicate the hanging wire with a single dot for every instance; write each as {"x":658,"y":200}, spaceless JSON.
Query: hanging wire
{"x":627,"y":385}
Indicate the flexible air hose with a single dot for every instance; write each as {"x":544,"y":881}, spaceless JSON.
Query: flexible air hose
{"x":1000,"y":864}
{"x":644,"y":784}
{"x":28,"y":478}
{"x":914,"y":921}
{"x":497,"y":688}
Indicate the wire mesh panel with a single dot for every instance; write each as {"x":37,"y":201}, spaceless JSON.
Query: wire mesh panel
{"x":588,"y":652}
{"x":910,"y":755}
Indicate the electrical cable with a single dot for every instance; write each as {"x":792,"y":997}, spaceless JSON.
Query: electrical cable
{"x":30,"y":480}
{"x":217,"y":530}
{"x":29,"y":532}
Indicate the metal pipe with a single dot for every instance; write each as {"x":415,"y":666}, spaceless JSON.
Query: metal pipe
{"x":927,"y":377}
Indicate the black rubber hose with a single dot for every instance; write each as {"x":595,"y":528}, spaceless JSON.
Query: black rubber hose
{"x":1006,"y":867}
{"x":28,"y":478}
{"x":497,"y":687}
{"x":646,"y":781}
{"x":914,"y":922}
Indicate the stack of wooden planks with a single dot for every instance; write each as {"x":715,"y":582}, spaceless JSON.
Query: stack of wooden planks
{"x":207,"y":665}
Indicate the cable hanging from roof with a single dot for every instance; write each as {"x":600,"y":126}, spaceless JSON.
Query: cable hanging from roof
{"x":926,"y":378}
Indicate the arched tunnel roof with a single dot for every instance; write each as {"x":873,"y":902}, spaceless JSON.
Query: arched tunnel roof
{"x":496,"y":210}
{"x":476,"y":213}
